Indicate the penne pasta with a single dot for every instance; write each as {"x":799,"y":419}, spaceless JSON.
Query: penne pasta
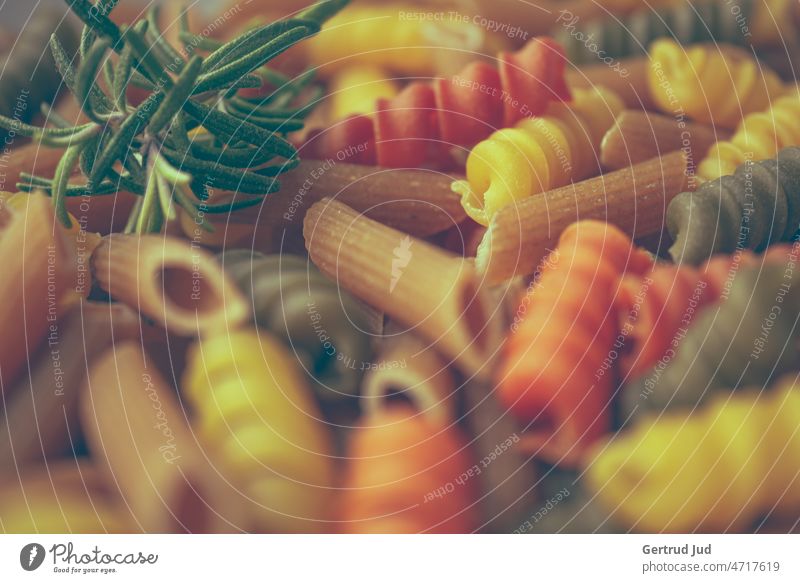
{"x":392,"y":272}
{"x":69,"y":496}
{"x":41,"y":417}
{"x":36,"y":285}
{"x":638,"y":136}
{"x":139,"y":435}
{"x":179,"y":286}
{"x":634,"y":199}
{"x":406,"y":367}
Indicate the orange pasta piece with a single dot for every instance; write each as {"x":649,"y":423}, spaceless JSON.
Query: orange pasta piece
{"x":553,"y":374}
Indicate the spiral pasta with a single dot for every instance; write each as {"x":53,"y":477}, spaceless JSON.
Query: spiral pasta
{"x":259,"y":424}
{"x":539,"y":154}
{"x":626,"y":36}
{"x":553,"y":371}
{"x":355,"y":90}
{"x":760,"y":136}
{"x":745,"y":340}
{"x":407,"y":474}
{"x":709,"y":84}
{"x":324,"y":326}
{"x":714,"y":470}
{"x":425,"y":121}
{"x":756,"y":206}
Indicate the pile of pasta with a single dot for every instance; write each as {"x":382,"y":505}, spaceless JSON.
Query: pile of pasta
{"x":532,"y":275}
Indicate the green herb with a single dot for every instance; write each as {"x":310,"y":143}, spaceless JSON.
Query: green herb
{"x":193,"y":132}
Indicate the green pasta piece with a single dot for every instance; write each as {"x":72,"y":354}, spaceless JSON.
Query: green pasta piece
{"x":324,"y":325}
{"x":747,"y":339}
{"x":759,"y":205}
{"x":628,"y":36}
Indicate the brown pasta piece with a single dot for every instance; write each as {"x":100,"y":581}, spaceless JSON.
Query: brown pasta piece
{"x":41,"y":419}
{"x":407,"y":368}
{"x":68,"y":496}
{"x":634,"y":199}
{"x":638,"y":136}
{"x":141,"y":438}
{"x":35,"y":286}
{"x":393,"y":272}
{"x":629,"y":81}
{"x":178,"y":285}
{"x":418,"y":202}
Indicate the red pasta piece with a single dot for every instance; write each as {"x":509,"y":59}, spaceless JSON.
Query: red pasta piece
{"x":402,"y":474}
{"x":553,"y":375}
{"x":421,"y":124}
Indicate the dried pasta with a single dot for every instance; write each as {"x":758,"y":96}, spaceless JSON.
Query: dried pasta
{"x":391,"y":271}
{"x":68,"y":496}
{"x":402,"y":477}
{"x":759,"y":136}
{"x":552,"y":375}
{"x":39,"y":270}
{"x":717,"y":469}
{"x":178,"y":285}
{"x":747,"y":339}
{"x":709,"y":84}
{"x":633,"y":199}
{"x":626,"y":36}
{"x":139,"y":434}
{"x":756,"y":206}
{"x":408,"y":369}
{"x":354,"y":90}
{"x":325,"y":328}
{"x":538,"y":154}
{"x":257,"y":421}
{"x":424,"y":122}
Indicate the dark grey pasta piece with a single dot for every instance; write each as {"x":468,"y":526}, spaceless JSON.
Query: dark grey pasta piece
{"x":759,"y":205}
{"x":326,"y":328}
{"x":619,"y":37}
{"x":28,"y":74}
{"x":747,"y":339}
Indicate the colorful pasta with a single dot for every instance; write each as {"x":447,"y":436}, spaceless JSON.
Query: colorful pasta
{"x":625,"y":36}
{"x":178,"y":285}
{"x":633,"y":199}
{"x":718,"y":469}
{"x":69,"y":496}
{"x":756,"y":206}
{"x":553,"y":373}
{"x":759,"y":136}
{"x":391,"y":271}
{"x":258,"y":423}
{"x":424,"y":122}
{"x":538,"y":154}
{"x":354,"y":90}
{"x":747,"y":339}
{"x":402,"y":477}
{"x":325,"y":328}
{"x":709,"y":84}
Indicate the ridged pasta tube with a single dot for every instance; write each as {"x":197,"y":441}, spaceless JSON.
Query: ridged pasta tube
{"x":756,"y":206}
{"x":709,"y":84}
{"x":759,"y":136}
{"x":538,"y":154}
{"x":746,"y":339}
{"x":258,"y":423}
{"x":324,"y":327}
{"x":714,"y":470}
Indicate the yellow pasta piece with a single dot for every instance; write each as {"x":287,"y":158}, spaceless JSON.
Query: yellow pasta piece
{"x":355,"y":90}
{"x":259,"y":423}
{"x":708,"y":84}
{"x":539,"y":154}
{"x":716,"y":469}
{"x":759,"y":137}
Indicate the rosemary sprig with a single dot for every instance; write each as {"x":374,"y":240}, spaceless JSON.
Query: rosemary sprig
{"x":192,"y":133}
